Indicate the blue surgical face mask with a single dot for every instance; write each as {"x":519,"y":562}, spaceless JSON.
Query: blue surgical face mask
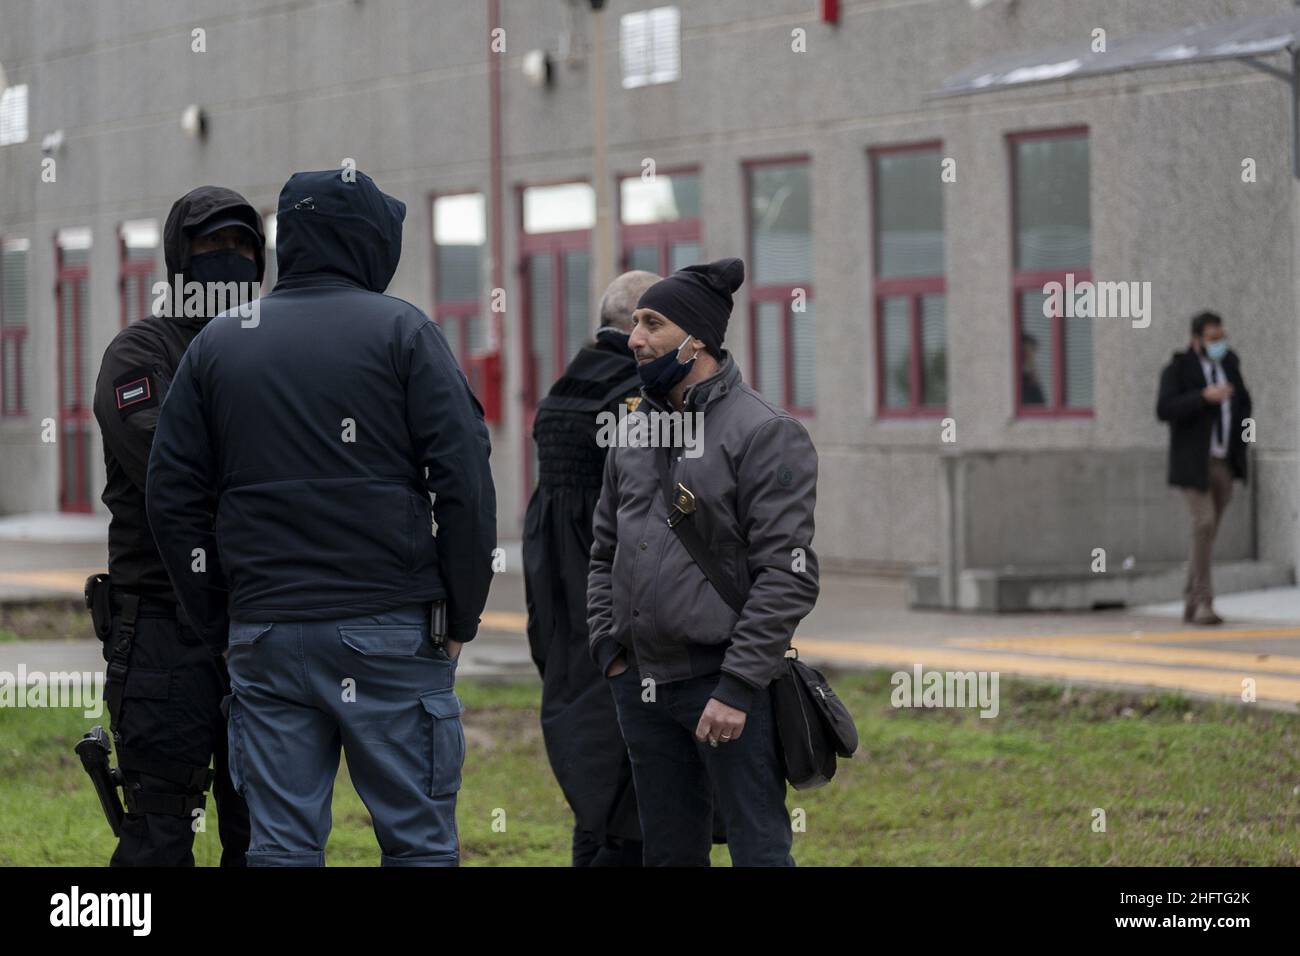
{"x":1215,"y":351}
{"x":661,"y":374}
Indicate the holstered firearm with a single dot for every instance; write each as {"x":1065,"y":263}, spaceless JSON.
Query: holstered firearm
{"x":93,"y":749}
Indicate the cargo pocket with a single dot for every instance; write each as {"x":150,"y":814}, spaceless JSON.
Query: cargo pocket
{"x":446,"y":740}
{"x":243,"y":633}
{"x":146,"y":717}
{"x":383,"y":640}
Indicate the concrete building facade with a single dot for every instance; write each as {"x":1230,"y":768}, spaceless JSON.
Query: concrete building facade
{"x":898,"y":243}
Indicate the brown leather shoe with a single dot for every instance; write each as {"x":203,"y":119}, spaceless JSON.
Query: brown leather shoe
{"x":1205,"y":616}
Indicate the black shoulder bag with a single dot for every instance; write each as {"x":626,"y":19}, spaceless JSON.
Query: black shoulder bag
{"x":813,"y":725}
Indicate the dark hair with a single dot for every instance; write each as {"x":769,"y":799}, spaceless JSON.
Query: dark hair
{"x":1202,"y":319}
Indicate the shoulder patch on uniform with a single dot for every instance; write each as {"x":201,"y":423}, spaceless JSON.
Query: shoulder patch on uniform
{"x":135,"y":390}
{"x":784,"y":476}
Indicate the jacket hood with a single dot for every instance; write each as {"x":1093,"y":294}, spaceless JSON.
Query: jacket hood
{"x":198,"y":206}
{"x":328,"y":226}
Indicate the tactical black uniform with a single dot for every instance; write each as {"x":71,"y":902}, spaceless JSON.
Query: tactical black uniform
{"x":164,"y":686}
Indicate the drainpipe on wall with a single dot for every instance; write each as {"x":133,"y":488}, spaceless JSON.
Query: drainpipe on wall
{"x":603,"y":237}
{"x":494,"y":173}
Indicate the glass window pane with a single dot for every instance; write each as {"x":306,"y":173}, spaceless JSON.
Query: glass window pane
{"x":68,"y":459}
{"x":576,"y":294}
{"x":478,"y":334}
{"x":934,"y":350}
{"x":1053,"y":229}
{"x":682,"y":254}
{"x":803,"y":363}
{"x":643,"y":257}
{"x":1078,"y":362}
{"x":451,"y":331}
{"x":665,"y":198}
{"x":459,"y":234}
{"x":9,"y":373}
{"x":541,"y":322}
{"x":781,"y":220}
{"x":83,"y":345}
{"x":909,"y":214}
{"x":13,"y":282}
{"x":559,"y":208}
{"x":768,"y":351}
{"x":1035,"y":351}
{"x":896,"y":351}
{"x":67,"y":355}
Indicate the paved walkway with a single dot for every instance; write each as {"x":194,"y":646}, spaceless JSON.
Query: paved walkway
{"x":859,"y":621}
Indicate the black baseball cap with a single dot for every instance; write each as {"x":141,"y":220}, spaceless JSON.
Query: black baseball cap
{"x":221,"y":222}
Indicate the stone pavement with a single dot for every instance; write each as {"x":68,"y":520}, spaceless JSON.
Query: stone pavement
{"x":860,"y":620}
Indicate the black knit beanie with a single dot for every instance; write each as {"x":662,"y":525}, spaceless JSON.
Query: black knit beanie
{"x":698,"y":298}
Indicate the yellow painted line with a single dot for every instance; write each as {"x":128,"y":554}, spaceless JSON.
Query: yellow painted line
{"x":1223,"y":683}
{"x":73,"y":580}
{"x":1160,"y":637}
{"x":1133,"y":650}
{"x":504,"y":621}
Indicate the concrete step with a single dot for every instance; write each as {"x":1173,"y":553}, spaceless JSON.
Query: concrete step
{"x":1071,"y":589}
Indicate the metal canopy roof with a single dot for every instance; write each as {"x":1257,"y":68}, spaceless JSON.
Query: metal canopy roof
{"x":1242,"y":38}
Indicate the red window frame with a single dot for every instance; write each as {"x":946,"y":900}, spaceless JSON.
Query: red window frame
{"x":1024,"y":281}
{"x":913,"y":287}
{"x":14,"y":338}
{"x":129,"y":269}
{"x":554,"y":244}
{"x":459,"y":311}
{"x":774,"y":292}
{"x":662,"y":235}
{"x":79,"y":413}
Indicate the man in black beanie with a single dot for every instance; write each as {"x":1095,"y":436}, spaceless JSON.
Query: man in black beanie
{"x":690,"y":651}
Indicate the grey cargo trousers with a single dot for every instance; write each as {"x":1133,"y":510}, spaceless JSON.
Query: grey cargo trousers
{"x":375,"y":686}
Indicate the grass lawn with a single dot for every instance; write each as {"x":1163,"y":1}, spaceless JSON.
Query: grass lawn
{"x":1181,"y":783}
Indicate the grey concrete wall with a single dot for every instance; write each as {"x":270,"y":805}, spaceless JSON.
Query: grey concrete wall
{"x":401,"y":86}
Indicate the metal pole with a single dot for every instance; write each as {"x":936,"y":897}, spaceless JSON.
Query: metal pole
{"x":603,"y":237}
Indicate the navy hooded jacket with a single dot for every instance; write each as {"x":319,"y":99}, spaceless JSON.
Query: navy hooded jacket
{"x":296,"y":450}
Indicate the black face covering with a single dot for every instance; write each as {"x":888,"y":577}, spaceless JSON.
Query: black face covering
{"x":222,"y":265}
{"x":661,"y":374}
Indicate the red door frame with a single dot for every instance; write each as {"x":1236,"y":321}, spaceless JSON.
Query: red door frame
{"x":133,"y":269}
{"x":529,"y":244}
{"x":774,"y":292}
{"x":79,"y":413}
{"x":458,"y":310}
{"x":1025,"y":281}
{"x":660,"y":234}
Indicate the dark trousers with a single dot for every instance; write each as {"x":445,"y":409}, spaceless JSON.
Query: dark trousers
{"x":171,"y":713}
{"x":588,"y":851}
{"x":676,"y":777}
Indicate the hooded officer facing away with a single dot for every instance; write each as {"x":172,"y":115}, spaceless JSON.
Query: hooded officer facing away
{"x":305,"y":441}
{"x":690,"y":675}
{"x":164,"y":686}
